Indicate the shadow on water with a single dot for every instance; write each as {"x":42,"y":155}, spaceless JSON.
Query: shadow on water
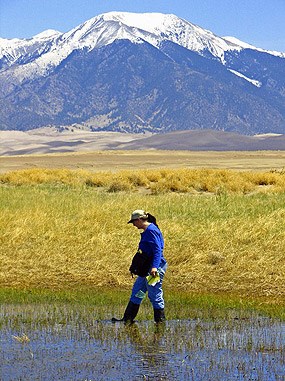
{"x":67,"y":344}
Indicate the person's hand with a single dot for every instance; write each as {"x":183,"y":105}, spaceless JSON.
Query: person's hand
{"x":153,"y":271}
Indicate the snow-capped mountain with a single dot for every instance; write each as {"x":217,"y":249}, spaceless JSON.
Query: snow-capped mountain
{"x":35,"y":68}
{"x":49,"y":48}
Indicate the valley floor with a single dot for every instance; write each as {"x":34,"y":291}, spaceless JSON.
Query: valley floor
{"x":148,"y":159}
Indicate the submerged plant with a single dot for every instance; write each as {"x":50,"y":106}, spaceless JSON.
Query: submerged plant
{"x":22,"y":339}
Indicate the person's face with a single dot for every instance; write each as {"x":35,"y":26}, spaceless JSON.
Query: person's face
{"x":139,"y":223}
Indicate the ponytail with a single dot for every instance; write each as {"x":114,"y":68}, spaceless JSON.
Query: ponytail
{"x":151,"y":219}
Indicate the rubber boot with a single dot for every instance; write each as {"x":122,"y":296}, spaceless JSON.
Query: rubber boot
{"x":130,"y":313}
{"x":159,"y":315}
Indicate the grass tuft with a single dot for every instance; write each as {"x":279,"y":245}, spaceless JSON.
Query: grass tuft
{"x":67,"y":229}
{"x":214,"y":181}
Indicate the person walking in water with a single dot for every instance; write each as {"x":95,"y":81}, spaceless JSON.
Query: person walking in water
{"x":151,"y":246}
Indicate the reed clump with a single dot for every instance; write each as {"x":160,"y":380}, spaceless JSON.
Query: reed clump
{"x":224,"y":230}
{"x":156,"y":181}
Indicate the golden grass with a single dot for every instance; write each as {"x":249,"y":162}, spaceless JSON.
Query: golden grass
{"x":23,"y":339}
{"x":155,"y":181}
{"x":224,"y":230}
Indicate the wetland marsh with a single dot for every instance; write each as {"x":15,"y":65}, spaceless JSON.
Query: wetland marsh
{"x":64,"y":240}
{"x":68,"y":343}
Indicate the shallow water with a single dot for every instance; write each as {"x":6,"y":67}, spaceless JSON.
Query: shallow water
{"x":75,"y":347}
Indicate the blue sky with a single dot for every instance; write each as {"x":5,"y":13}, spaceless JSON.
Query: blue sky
{"x":258,"y":22}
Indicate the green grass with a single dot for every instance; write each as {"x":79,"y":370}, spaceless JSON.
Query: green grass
{"x":105,"y":303}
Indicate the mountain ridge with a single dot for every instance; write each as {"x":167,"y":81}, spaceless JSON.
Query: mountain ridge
{"x":89,"y":35}
{"x":146,"y":72}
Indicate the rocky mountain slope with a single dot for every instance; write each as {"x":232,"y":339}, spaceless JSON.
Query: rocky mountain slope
{"x":133,"y":73}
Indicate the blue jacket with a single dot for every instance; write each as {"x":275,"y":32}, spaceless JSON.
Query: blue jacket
{"x":152,"y":243}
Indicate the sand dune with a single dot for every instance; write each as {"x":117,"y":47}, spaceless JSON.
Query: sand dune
{"x":48,"y":140}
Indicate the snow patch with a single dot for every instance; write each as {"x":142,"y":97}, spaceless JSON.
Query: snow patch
{"x":47,"y":34}
{"x":245,"y":45}
{"x":236,"y":41}
{"x":253,"y":81}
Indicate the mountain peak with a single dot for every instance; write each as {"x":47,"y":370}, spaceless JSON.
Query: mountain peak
{"x":152,"y":28}
{"x":103,"y":30}
{"x":47,"y":34}
{"x":151,"y":22}
{"x":162,"y":73}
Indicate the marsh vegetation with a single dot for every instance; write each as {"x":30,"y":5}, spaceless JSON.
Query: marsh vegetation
{"x":224,"y":230}
{"x":65,"y":253}
{"x":67,"y":342}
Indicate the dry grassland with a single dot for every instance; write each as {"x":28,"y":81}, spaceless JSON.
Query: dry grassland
{"x":117,"y":160}
{"x":224,"y":230}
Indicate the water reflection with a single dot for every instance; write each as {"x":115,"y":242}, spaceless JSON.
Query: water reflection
{"x":67,"y":345}
{"x":150,"y":352}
